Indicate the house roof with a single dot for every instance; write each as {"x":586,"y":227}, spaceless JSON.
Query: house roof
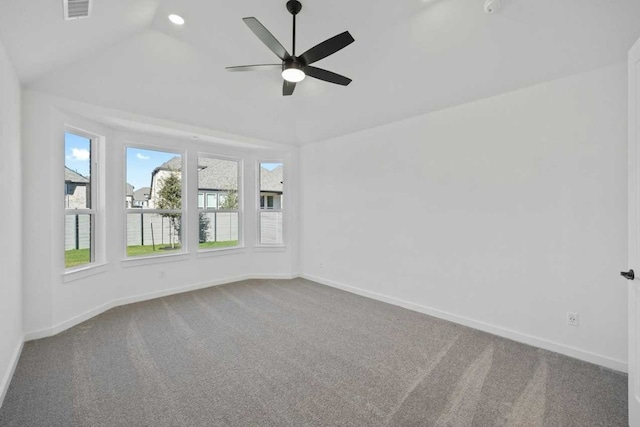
{"x":217,"y":174}
{"x":271,"y":180}
{"x":74,"y":177}
{"x":142,"y":194}
{"x":524,"y":43}
{"x":173,"y":164}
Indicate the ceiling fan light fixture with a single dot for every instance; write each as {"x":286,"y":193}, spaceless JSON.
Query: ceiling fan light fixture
{"x":293,"y":73}
{"x":176,"y":19}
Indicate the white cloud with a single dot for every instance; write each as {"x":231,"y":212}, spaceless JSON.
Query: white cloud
{"x":80,"y":154}
{"x":142,"y":157}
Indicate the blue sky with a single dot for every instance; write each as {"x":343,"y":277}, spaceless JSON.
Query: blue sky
{"x":77,"y":153}
{"x":140,"y":164}
{"x":270,"y":166}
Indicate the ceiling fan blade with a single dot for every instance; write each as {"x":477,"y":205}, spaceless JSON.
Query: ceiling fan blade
{"x":288,"y":88}
{"x":327,"y":76}
{"x":267,"y":38}
{"x":326,"y":48}
{"x":257,"y":67}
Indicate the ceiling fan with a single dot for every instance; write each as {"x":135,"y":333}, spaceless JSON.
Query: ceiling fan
{"x":295,"y":68}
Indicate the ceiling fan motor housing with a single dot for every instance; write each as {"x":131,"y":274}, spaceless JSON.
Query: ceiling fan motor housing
{"x":293,"y":63}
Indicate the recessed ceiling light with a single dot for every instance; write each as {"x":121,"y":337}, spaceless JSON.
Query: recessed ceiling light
{"x":176,"y":19}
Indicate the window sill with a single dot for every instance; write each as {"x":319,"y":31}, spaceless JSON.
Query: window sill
{"x":155,"y":259}
{"x":84,"y":272}
{"x":270,"y":248}
{"x":221,"y":252}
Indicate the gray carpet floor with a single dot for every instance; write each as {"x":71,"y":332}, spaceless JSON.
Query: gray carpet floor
{"x":296,"y":353}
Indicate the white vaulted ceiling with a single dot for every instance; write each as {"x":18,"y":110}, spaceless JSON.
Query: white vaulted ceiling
{"x":410,"y":57}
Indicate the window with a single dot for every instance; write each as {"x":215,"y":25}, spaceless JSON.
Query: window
{"x":154,"y":220}
{"x":79,"y":199}
{"x":212,"y":199}
{"x":219,"y":204}
{"x":266,"y":202}
{"x":271,"y":203}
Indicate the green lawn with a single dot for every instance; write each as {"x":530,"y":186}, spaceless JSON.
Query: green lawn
{"x":213,"y":245}
{"x":74,"y":258}
{"x":134,"y":251}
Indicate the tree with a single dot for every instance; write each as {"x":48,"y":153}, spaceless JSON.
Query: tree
{"x":230,"y":200}
{"x":204,"y":222}
{"x":170,"y":198}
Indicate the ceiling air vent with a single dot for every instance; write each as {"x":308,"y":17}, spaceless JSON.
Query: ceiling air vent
{"x":76,"y":9}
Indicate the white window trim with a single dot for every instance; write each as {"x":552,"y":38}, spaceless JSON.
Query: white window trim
{"x":183,"y":253}
{"x":154,"y":259}
{"x":231,"y":250}
{"x":96,"y":211}
{"x":85,"y":271}
{"x":240,"y":246}
{"x":275,"y":247}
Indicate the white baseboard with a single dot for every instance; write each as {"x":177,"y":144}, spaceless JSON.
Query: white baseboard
{"x":6,"y":380}
{"x":576,"y":353}
{"x":63,"y":326}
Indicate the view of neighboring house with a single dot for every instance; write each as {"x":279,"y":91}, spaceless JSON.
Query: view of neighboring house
{"x":216,"y":179}
{"x":271,"y":188}
{"x":217,"y":182}
{"x":141,"y":198}
{"x":158,"y":176}
{"x":76,"y":196}
{"x":129,"y":196}
{"x":76,"y":192}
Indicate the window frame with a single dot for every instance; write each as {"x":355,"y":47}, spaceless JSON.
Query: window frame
{"x":184,"y":247}
{"x":240,"y":162}
{"x":96,"y":256}
{"x":260,"y":210}
{"x":209,"y":195}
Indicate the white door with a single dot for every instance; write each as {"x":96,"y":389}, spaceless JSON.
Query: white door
{"x":634,"y":234}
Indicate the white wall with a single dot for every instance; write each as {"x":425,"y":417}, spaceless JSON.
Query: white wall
{"x":10,"y":223}
{"x":504,"y":214}
{"x":55,"y":301}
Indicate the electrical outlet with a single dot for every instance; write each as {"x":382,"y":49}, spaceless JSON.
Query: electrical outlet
{"x":573,"y":319}
{"x":161,"y":275}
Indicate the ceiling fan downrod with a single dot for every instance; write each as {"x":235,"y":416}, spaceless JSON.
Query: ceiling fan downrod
{"x":294,"y":7}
